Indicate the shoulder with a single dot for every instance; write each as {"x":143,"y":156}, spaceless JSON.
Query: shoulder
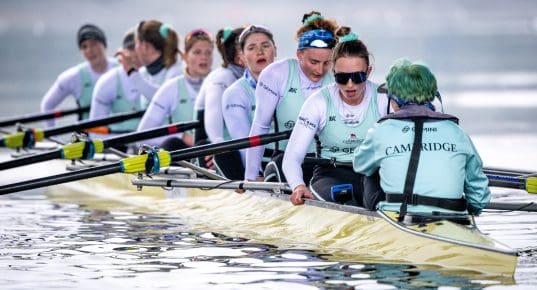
{"x":73,"y":72}
{"x":223,"y":75}
{"x":276,"y":68}
{"x":234,"y":92}
{"x":175,"y":69}
{"x":107,"y":79}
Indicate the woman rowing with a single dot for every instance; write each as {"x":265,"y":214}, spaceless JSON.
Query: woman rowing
{"x":174,"y":101}
{"x":209,"y":102}
{"x":79,"y":81}
{"x":157,"y":47}
{"x":284,"y":85}
{"x":444,"y":173}
{"x":238,"y":101}
{"x":115,"y":92}
{"x":340,"y":115}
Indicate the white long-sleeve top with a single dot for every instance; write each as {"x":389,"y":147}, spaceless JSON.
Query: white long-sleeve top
{"x":105,"y":92}
{"x":211,"y":94}
{"x":315,"y":111}
{"x":67,"y":84}
{"x":237,"y":110}
{"x":148,"y":84}
{"x":163,"y":104}
{"x":268,"y":95}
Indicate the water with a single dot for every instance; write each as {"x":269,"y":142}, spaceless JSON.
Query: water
{"x":482,"y":53}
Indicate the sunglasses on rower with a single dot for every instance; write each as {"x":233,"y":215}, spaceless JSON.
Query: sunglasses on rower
{"x":357,"y":77}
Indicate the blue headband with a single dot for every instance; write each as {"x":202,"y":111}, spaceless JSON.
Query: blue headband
{"x":164,"y":30}
{"x":316,"y":38}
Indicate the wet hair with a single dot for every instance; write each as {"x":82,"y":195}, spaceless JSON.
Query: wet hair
{"x":162,"y":37}
{"x":226,"y":42}
{"x":314,"y":20}
{"x":196,"y":35}
{"x":349,"y":46}
{"x":90,"y":31}
{"x":251,"y":30}
{"x":411,"y":82}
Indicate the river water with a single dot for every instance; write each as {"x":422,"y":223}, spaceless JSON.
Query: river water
{"x":483,"y":55}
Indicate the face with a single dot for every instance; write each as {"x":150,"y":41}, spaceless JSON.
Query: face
{"x":258,"y":52}
{"x":140,"y":49}
{"x":315,"y":62}
{"x":132,"y":57}
{"x":351,"y":93}
{"x":199,"y":58}
{"x":93,"y":50}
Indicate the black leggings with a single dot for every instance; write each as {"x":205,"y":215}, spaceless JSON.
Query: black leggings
{"x":230,"y":165}
{"x":273,"y":171}
{"x":325,"y":178}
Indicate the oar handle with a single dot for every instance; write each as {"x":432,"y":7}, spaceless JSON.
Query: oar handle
{"x":42,"y":116}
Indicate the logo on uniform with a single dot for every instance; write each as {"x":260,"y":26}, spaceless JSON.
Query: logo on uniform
{"x":289,"y":124}
{"x":87,"y":85}
{"x":331,"y":118}
{"x":353,"y":135}
{"x":405,"y":129}
{"x":182,"y":101}
{"x":293,"y":90}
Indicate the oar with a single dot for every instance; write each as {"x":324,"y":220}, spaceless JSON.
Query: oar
{"x":283,"y":187}
{"x":496,"y":178}
{"x":86,"y":149}
{"x":27,"y":139}
{"x":138,"y":163}
{"x":528,"y":184}
{"x":42,"y":116}
{"x":508,"y":172}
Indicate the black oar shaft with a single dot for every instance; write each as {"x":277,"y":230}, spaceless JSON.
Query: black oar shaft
{"x":151,"y":133}
{"x":118,"y":140}
{"x":530,"y":206}
{"x":93,"y":123}
{"x":227,"y":146}
{"x":55,"y":154}
{"x":61,"y":178}
{"x":42,"y":116}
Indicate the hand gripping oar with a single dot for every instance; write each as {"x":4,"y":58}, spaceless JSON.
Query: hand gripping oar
{"x":150,"y":162}
{"x":42,"y":116}
{"x":27,"y":138}
{"x":500,"y":178}
{"x":86,"y":149}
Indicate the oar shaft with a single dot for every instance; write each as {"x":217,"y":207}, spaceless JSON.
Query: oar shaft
{"x":42,"y":116}
{"x":150,"y":133}
{"x":529,"y":206}
{"x":93,"y":123}
{"x":61,"y":178}
{"x":227,"y":146}
{"x":55,"y":154}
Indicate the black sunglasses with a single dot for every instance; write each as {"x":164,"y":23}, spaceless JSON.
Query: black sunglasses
{"x":357,"y":77}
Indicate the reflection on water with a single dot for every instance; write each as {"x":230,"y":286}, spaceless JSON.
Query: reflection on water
{"x":65,"y":245}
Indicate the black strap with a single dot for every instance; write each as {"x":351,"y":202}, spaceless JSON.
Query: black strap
{"x":412,"y":167}
{"x":28,"y":140}
{"x":455,"y":204}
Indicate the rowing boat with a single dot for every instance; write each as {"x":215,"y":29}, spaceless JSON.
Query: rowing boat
{"x":268,"y":216}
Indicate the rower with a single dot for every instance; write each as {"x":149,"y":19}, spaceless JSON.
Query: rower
{"x":157,"y":47}
{"x":283,"y":87}
{"x":209,"y":101}
{"x":444,"y":173}
{"x":78,"y":81}
{"x":238,"y":101}
{"x":174,"y":101}
{"x":340,"y":114}
{"x":116,"y":93}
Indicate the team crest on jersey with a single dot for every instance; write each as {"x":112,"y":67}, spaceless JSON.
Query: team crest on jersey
{"x":292,"y":90}
{"x":289,"y":124}
{"x":331,"y":118}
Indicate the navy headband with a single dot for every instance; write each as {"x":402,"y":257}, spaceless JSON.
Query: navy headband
{"x":316,"y":38}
